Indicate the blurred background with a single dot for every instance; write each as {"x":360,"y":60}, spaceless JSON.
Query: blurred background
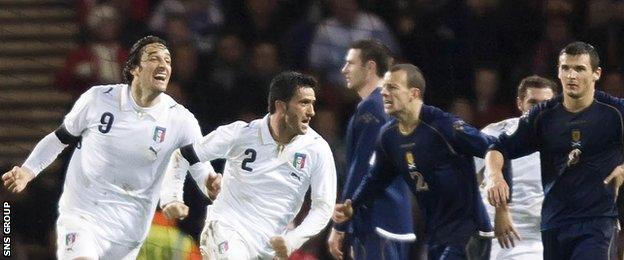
{"x":472,"y":52}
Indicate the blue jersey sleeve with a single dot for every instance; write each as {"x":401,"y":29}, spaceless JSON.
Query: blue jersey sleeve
{"x":363,"y":132}
{"x":377,"y":179}
{"x":522,"y":142}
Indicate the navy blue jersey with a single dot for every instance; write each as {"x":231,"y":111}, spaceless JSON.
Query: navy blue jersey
{"x":435,"y":160}
{"x":391,"y":209}
{"x":574,"y":191}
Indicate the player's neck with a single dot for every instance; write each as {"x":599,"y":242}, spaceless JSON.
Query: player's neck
{"x":142,"y":97}
{"x":369,"y":87}
{"x":278,"y":132}
{"x":575,"y":105}
{"x":410,"y":117}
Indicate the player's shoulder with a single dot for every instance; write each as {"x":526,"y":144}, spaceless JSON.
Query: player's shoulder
{"x":506,"y":126}
{"x":105,"y":91}
{"x":436,"y":117}
{"x":314,"y":140}
{"x":604,"y":98}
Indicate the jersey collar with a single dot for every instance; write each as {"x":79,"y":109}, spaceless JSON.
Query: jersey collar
{"x":265,"y":133}
{"x":127,"y":104}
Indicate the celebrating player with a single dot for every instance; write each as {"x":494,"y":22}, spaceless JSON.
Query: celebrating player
{"x":125,"y":135}
{"x":270,"y":164}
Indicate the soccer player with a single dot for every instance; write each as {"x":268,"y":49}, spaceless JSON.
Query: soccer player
{"x":270,"y":164}
{"x":579,"y":136}
{"x":528,"y":195}
{"x":366,"y":62}
{"x":433,"y":152}
{"x":125,"y":135}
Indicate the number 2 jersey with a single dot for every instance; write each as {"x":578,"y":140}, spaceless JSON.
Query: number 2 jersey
{"x":436,"y":161}
{"x":115,"y":174}
{"x":264,"y":183}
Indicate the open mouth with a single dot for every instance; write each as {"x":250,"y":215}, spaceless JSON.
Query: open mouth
{"x":160,"y":76}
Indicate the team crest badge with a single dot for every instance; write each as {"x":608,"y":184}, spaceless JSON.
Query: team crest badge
{"x":409,"y":158}
{"x":299,"y":161}
{"x":223,"y":247}
{"x":159,"y":134}
{"x":576,"y":138}
{"x":70,"y":239}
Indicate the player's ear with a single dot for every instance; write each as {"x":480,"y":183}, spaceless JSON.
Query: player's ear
{"x":597,"y":74}
{"x":280,"y":106}
{"x":416,"y":93}
{"x":135,"y":71}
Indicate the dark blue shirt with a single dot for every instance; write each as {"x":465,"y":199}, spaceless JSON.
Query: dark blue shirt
{"x":573,"y":192}
{"x":436,"y":161}
{"x":391,"y":210}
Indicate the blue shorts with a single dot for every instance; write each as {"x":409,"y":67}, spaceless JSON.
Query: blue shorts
{"x":374,"y":247}
{"x":589,"y":239}
{"x":474,"y":247}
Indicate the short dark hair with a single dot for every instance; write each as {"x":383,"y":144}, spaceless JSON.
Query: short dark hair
{"x":415,"y":78}
{"x":535,"y":82}
{"x":580,"y":48}
{"x":134,"y":59}
{"x":374,"y":50}
{"x":284,"y":85}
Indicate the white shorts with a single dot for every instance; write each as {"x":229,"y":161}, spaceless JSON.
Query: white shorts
{"x":220,"y":241}
{"x":75,"y":237}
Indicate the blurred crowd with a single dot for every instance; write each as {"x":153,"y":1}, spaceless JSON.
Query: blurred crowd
{"x":225,"y":52}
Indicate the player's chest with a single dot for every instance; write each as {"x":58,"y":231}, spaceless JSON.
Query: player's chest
{"x":128,"y":134}
{"x":590,"y":131}
{"x":420,"y":150}
{"x":281,"y":165}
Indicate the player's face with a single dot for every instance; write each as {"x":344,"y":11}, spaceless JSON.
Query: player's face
{"x":154,"y":71}
{"x":354,"y":70}
{"x":300,"y":110}
{"x":576,"y":75}
{"x":395,"y":92}
{"x":534,"y":96}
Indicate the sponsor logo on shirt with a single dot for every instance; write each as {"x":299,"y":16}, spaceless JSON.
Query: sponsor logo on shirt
{"x":294,"y":175}
{"x":299,"y":161}
{"x":159,"y":134}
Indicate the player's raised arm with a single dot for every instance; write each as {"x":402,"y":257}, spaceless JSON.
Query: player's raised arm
{"x":48,"y":148}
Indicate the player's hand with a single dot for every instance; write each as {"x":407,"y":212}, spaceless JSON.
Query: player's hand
{"x":504,"y":229}
{"x":281,"y":249}
{"x":343,"y":212}
{"x":17,"y":178}
{"x":616,"y":178}
{"x":335,"y":243}
{"x":213,"y":184}
{"x":498,"y":190}
{"x":176,"y":210}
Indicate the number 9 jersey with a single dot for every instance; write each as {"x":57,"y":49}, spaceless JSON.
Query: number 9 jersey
{"x":116,"y":172}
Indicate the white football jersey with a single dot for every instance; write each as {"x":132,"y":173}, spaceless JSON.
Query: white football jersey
{"x":527,"y":185}
{"x":115,"y":174}
{"x":264,"y":184}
